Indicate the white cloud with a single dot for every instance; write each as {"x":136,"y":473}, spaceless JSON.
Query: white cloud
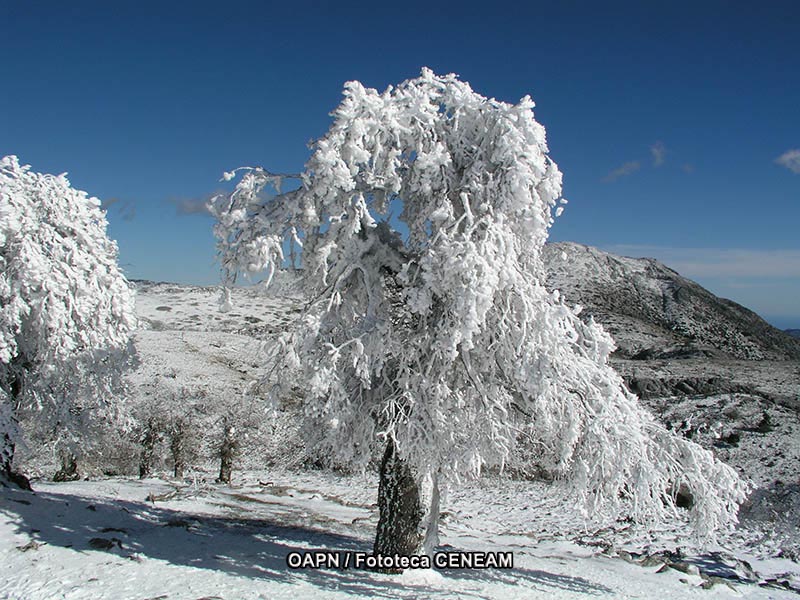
{"x":658,"y":151}
{"x":791,"y":160}
{"x":624,"y":170}
{"x":720,"y":262}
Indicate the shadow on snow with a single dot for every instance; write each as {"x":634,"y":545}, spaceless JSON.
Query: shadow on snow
{"x":252,"y":548}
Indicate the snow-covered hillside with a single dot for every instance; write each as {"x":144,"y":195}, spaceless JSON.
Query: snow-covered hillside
{"x":653,"y":312}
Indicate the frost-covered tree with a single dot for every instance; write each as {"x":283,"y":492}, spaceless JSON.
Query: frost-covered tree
{"x":181,"y":441}
{"x":149,"y":434}
{"x":440,"y":345}
{"x":169,"y":413}
{"x":66,"y":311}
{"x":236,"y":422}
{"x":228,"y":447}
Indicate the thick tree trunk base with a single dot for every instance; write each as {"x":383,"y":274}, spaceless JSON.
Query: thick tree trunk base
{"x":9,"y":477}
{"x":14,"y":479}
{"x":400,"y":510}
{"x":68,"y":470}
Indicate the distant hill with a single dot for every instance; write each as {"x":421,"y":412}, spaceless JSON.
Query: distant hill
{"x":795,"y":333}
{"x":654,"y":312}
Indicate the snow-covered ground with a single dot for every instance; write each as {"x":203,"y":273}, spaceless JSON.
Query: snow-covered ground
{"x":160,"y":538}
{"x":123,"y":538}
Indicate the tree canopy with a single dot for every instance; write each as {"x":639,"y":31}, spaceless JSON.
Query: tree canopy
{"x":440,"y":335}
{"x":66,"y":311}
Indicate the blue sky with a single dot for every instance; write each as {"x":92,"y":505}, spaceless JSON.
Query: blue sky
{"x":669,"y":120}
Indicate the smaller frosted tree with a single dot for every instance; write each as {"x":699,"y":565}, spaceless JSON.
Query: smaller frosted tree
{"x":66,"y":311}
{"x":237,"y":418}
{"x":441,"y":347}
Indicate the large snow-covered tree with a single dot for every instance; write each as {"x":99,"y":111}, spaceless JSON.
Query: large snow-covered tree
{"x":439,"y":344}
{"x":66,"y":311}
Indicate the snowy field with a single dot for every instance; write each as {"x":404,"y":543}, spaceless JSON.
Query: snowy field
{"x":121,"y":538}
{"x":128,"y":539}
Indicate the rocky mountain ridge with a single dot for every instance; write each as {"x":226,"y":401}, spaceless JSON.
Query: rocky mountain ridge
{"x":653,"y":312}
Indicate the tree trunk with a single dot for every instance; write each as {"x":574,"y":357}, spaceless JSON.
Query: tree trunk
{"x":147,"y":457}
{"x":431,"y":519}
{"x":7,"y":445}
{"x":227,"y":452}
{"x":6,"y":458}
{"x":179,"y":468}
{"x":6,"y":454}
{"x":399,"y":508}
{"x":69,"y":468}
{"x":7,"y":475}
{"x":177,"y":446}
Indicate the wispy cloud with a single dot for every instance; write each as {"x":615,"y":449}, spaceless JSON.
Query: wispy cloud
{"x":720,"y":262}
{"x":658,"y":151}
{"x":623,"y":171}
{"x":106,"y":204}
{"x":186,"y":207}
{"x":658,"y":157}
{"x":125,"y":208}
{"x":766,"y":281}
{"x":791,"y":160}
